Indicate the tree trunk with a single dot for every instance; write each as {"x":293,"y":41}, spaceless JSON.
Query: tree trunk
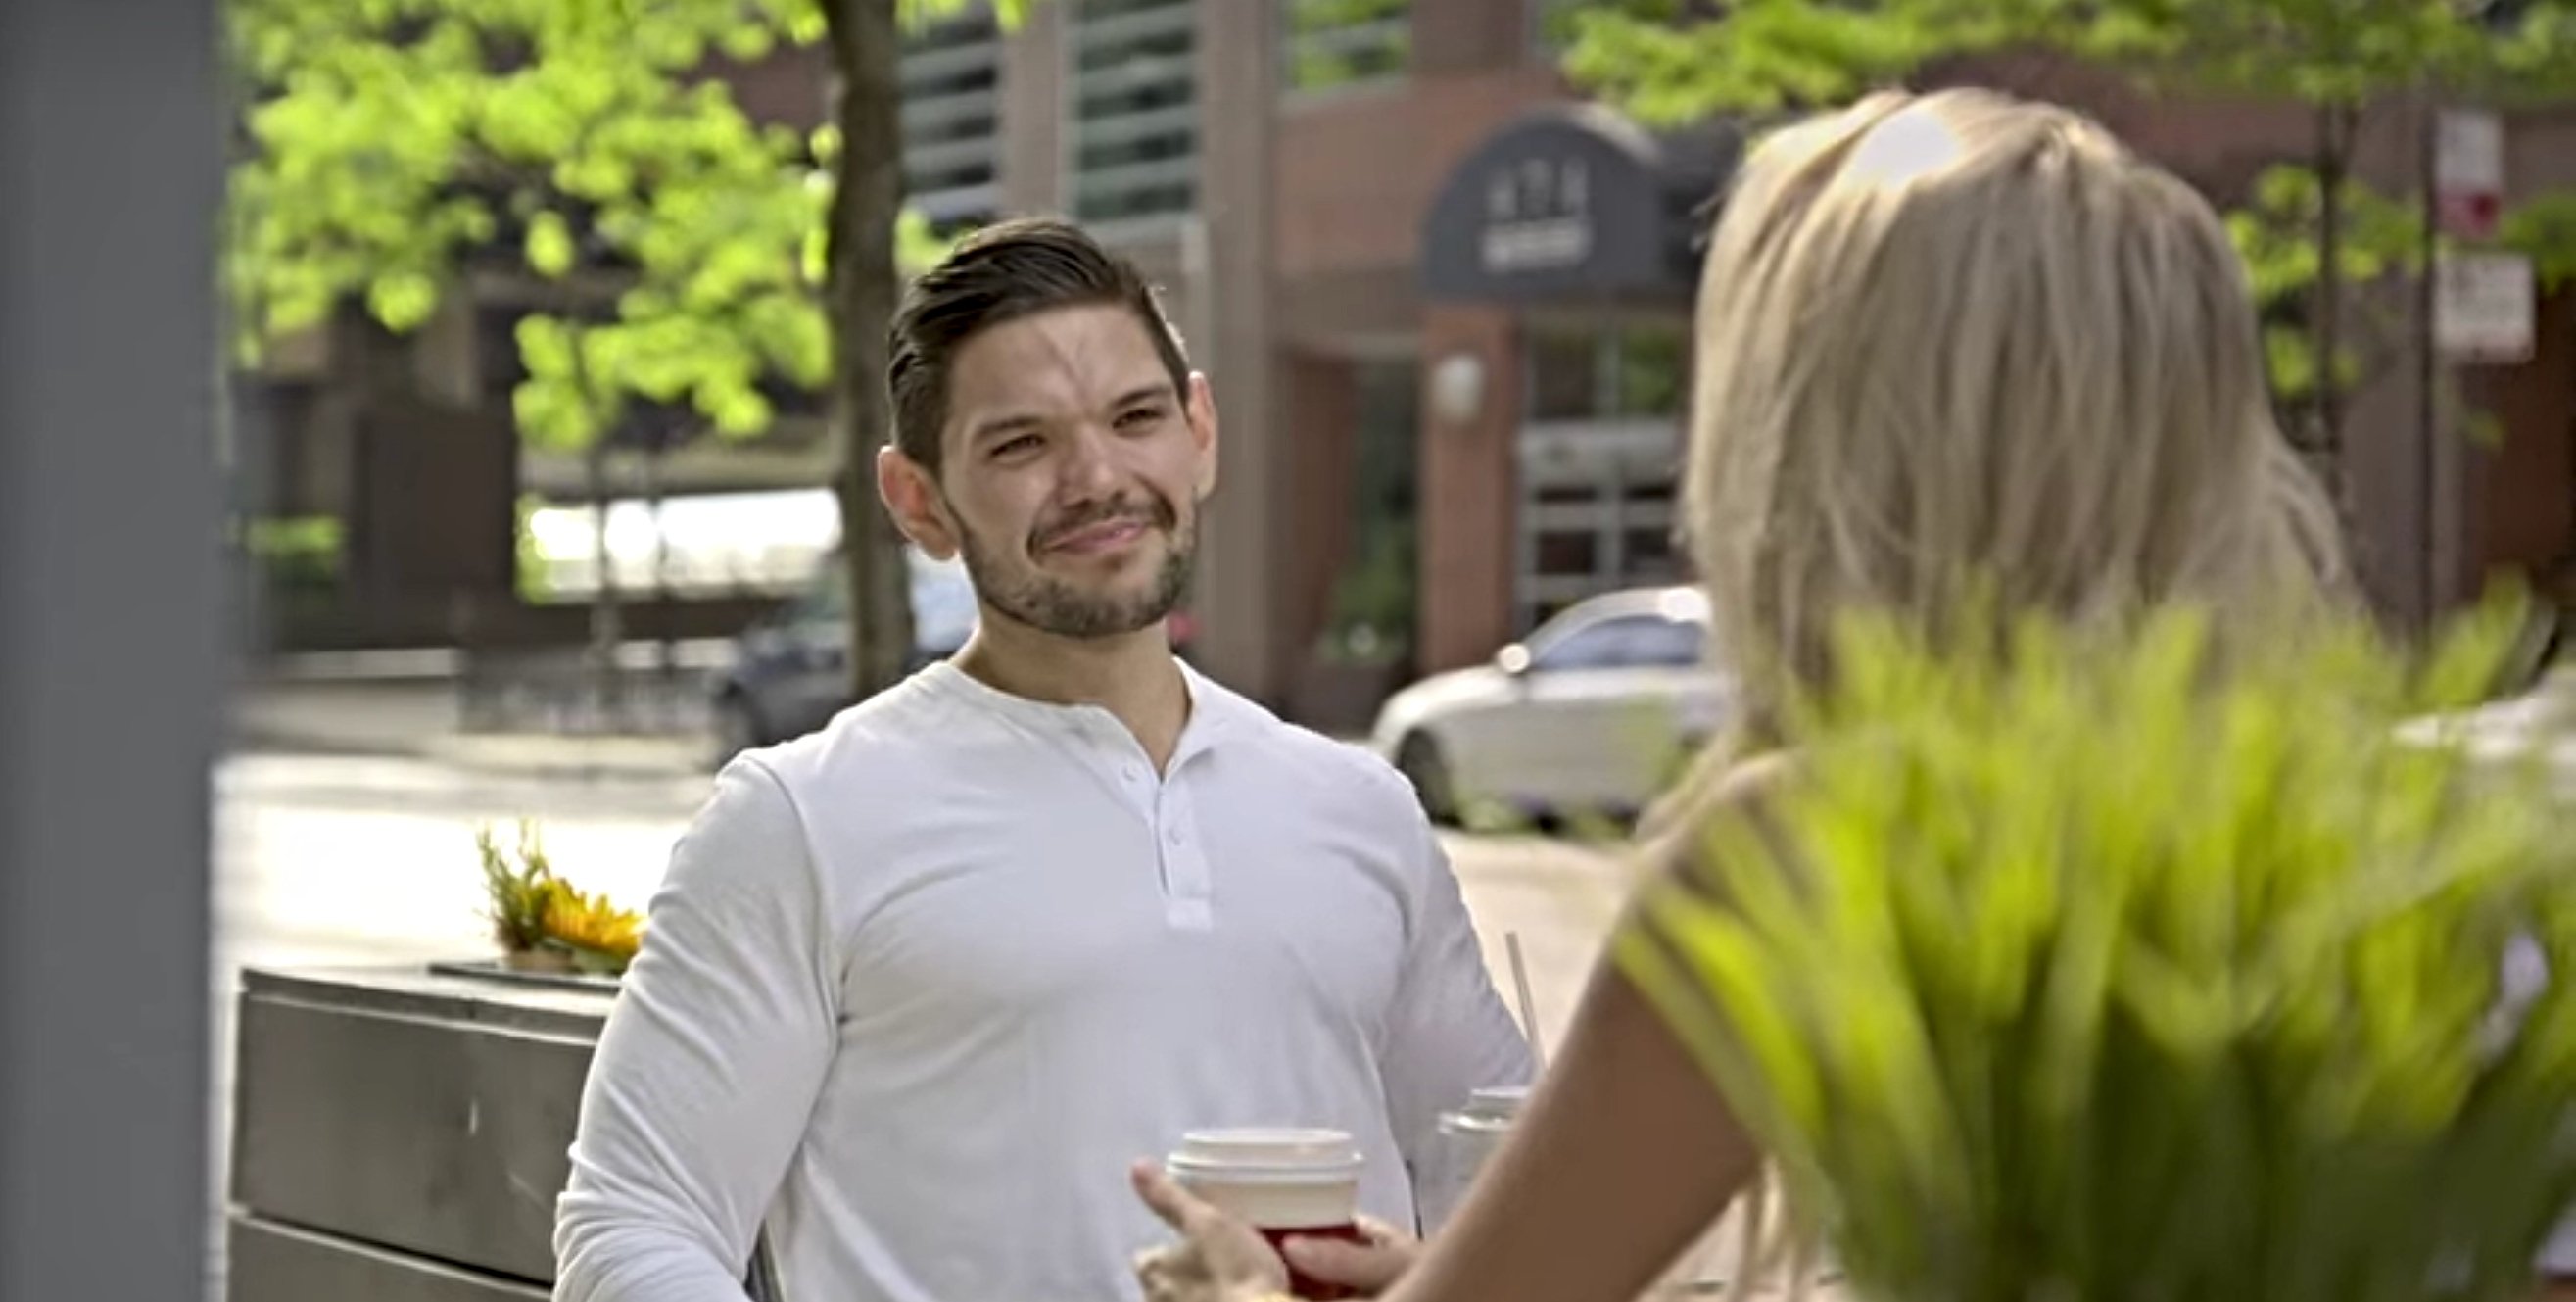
{"x":666,"y":688}
{"x":2335,"y":125}
{"x":607,"y":696}
{"x":867,"y":198}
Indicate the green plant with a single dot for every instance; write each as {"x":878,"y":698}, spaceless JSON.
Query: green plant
{"x":2121,"y":967}
{"x":537,"y":913}
{"x":516,"y":895}
{"x":1373,"y":600}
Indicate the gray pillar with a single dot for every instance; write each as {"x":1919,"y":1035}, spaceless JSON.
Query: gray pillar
{"x":110,"y":643}
{"x":1239,"y":568}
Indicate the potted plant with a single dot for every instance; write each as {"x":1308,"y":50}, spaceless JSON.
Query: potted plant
{"x":544,"y":923}
{"x":2131,"y":967}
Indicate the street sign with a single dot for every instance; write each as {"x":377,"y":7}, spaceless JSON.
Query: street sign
{"x":2468,"y":172}
{"x":2484,"y":307}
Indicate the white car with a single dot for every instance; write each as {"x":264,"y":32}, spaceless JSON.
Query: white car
{"x":1593,"y":715}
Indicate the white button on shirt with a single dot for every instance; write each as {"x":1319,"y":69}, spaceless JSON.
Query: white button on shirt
{"x":919,"y":987}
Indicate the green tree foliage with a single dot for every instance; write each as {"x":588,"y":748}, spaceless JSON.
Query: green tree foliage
{"x":393,"y":146}
{"x":391,"y":149}
{"x":1674,"y":61}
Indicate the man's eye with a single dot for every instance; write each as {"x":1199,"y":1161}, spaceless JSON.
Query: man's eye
{"x":1017,"y":445}
{"x":1140,"y":417}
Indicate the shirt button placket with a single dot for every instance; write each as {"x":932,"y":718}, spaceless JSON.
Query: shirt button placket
{"x":1185,"y":876}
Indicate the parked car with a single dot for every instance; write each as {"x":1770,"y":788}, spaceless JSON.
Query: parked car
{"x":790,"y":672}
{"x":1593,"y":715}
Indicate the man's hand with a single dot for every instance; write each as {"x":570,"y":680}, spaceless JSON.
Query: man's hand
{"x":1219,"y":1259}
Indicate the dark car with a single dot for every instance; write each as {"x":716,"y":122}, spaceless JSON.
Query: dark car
{"x":790,"y":672}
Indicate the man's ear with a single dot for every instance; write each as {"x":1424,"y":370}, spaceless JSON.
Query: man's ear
{"x":1200,"y":408}
{"x":911,"y":496}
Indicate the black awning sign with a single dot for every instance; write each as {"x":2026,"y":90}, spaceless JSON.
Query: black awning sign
{"x":1567,"y":203}
{"x":1537,"y":215}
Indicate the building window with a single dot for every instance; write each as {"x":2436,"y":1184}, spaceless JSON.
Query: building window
{"x":1598,"y":454}
{"x":1375,"y":597}
{"x":1330,"y":44}
{"x":1135,"y":108}
{"x":952,"y":98}
{"x":1606,"y":374}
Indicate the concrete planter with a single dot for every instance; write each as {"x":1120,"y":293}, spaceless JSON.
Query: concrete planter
{"x":400,"y":1134}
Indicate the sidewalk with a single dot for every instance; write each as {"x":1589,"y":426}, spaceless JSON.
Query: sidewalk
{"x":420,"y":717}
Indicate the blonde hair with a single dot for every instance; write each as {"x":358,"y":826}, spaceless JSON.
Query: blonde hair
{"x":1959,"y":345}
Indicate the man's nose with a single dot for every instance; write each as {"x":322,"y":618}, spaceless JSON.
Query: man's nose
{"x":1090,"y":466}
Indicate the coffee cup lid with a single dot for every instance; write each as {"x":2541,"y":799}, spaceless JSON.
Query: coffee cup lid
{"x":1267,"y":1155}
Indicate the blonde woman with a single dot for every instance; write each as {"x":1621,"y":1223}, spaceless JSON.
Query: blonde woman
{"x":1943,"y":341}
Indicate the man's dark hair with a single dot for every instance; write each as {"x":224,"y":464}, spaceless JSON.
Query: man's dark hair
{"x":999,"y":274}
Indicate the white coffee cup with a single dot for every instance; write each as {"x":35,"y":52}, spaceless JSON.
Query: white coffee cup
{"x":1273,"y":1179}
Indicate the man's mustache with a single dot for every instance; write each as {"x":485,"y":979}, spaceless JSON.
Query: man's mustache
{"x":1156,"y":512}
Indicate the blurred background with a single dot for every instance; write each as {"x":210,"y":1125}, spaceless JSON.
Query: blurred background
{"x":1437,"y":256}
{"x":524,"y":429}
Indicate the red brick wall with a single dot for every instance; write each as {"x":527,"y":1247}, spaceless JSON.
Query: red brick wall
{"x":1322,"y":423}
{"x":2522,"y":515}
{"x":1468,"y":480}
{"x":1455,"y":36}
{"x":1356,"y":173}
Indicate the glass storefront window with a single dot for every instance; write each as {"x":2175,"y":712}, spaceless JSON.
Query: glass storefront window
{"x":1595,"y":374}
{"x":1374,"y":598}
{"x":1649,"y":364}
{"x":1134,"y":138}
{"x":1600,"y":444}
{"x":1564,"y":383}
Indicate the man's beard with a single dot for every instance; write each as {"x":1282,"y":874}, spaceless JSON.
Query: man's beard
{"x":1055,"y":607}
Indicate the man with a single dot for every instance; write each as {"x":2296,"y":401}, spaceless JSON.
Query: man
{"x":925,"y":982}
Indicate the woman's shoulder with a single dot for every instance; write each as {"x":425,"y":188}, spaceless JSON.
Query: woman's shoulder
{"x":1719,"y":788}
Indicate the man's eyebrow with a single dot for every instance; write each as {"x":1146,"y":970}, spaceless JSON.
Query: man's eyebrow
{"x":1009,"y":422}
{"x":1159,"y":391}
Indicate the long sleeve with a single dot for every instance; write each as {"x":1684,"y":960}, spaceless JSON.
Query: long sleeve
{"x":1450,"y":1034}
{"x":710,"y":1063}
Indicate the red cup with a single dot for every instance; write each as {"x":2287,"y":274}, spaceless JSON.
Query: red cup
{"x":1288,"y":1184}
